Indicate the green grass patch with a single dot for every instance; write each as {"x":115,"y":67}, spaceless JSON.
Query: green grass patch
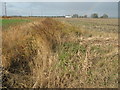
{"x":5,"y":23}
{"x":71,"y":48}
{"x":67,"y":51}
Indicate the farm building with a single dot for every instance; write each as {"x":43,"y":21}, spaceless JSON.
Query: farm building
{"x":68,"y":16}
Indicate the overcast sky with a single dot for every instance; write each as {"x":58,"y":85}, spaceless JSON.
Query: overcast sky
{"x":59,"y":0}
{"x":61,"y":8}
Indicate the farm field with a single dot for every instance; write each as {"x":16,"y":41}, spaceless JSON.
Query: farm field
{"x":60,"y":53}
{"x":106,"y":25}
{"x":6,"y":23}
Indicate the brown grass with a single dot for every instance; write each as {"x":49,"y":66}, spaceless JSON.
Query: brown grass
{"x":28,"y":48}
{"x":53,"y":54}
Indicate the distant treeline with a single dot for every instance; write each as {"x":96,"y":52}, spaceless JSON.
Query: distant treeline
{"x":94,"y":15}
{"x":34,"y":16}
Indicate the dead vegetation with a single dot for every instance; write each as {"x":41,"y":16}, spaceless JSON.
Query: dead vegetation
{"x":54,"y":54}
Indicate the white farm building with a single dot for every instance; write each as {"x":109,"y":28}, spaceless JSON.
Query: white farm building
{"x":68,"y":16}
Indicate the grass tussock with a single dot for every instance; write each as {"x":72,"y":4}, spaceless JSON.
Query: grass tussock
{"x":29,"y":48}
{"x":54,"y":54}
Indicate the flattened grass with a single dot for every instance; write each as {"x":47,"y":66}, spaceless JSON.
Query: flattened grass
{"x":59,"y":55}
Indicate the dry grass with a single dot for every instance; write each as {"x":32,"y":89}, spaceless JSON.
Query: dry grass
{"x":53,"y":54}
{"x":28,"y":49}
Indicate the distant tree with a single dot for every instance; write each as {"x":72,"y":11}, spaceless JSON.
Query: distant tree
{"x":104,"y":16}
{"x":75,"y":16}
{"x":85,"y":16}
{"x":95,"y":15}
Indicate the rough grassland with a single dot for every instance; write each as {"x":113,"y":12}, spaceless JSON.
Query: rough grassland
{"x":60,"y":53}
